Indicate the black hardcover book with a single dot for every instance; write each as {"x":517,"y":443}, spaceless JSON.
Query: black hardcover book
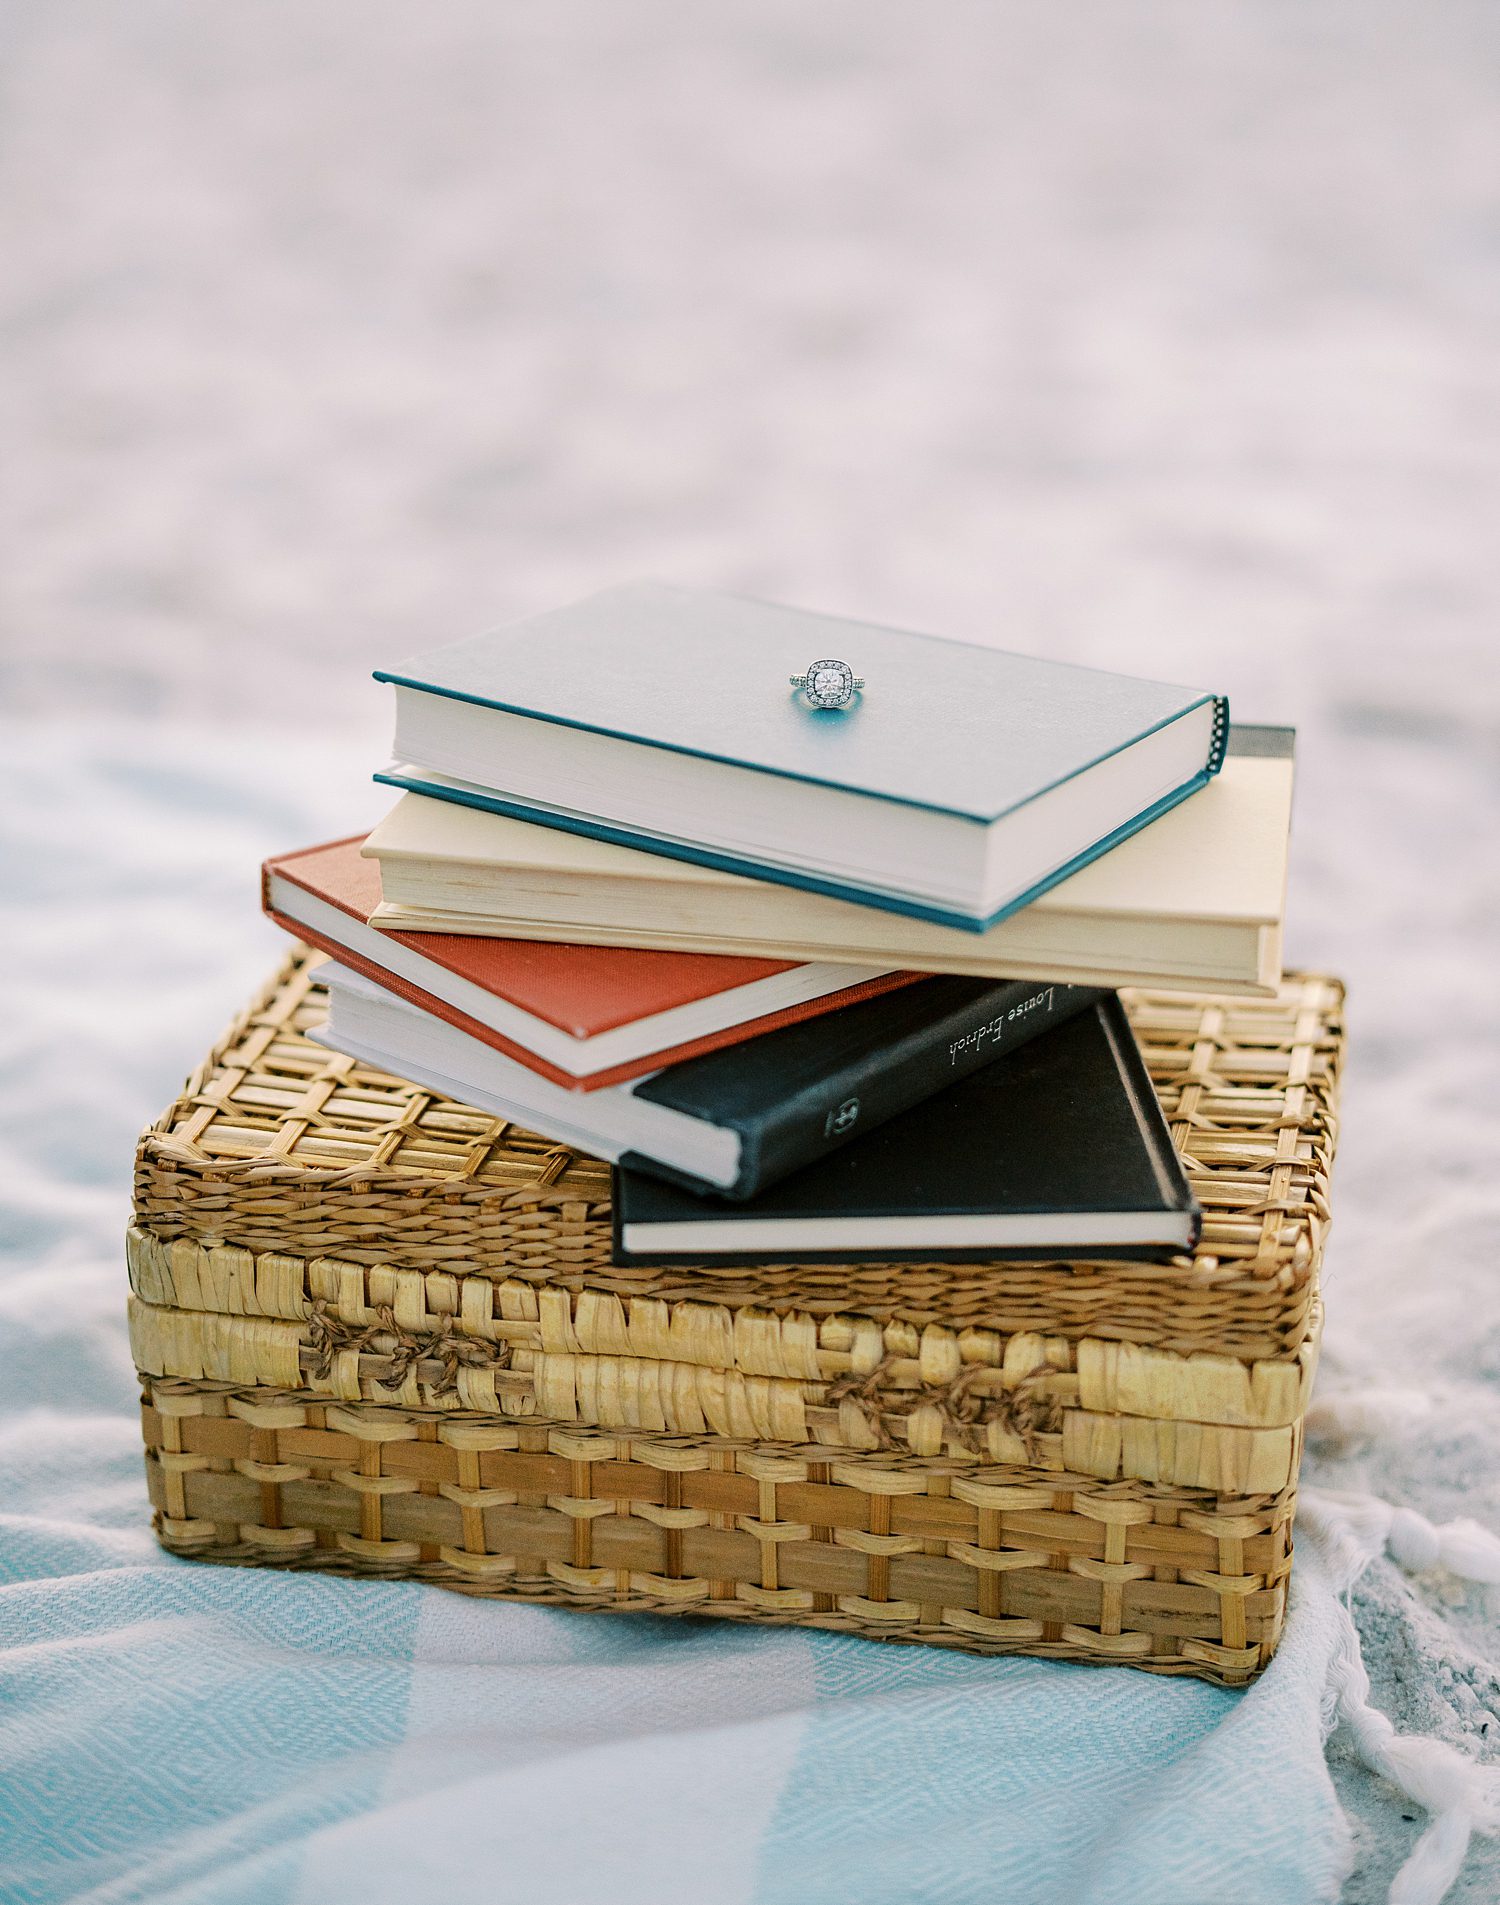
{"x":805,"y":1090}
{"x":1058,"y":1149}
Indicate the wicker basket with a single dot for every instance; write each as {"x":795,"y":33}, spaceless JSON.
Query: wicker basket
{"x":381,"y":1332}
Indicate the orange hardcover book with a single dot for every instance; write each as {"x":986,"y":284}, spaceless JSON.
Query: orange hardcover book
{"x":582,"y":1016}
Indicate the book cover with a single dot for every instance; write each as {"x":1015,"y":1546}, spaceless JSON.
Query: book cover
{"x":808,"y":1090}
{"x":954,"y":726}
{"x":1194,"y":900}
{"x":577,"y":993}
{"x":734,"y":1120}
{"x":952,"y":745}
{"x":1057,"y":1149}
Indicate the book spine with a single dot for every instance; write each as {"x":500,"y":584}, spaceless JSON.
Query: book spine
{"x":1218,"y":745}
{"x":882,"y":1084}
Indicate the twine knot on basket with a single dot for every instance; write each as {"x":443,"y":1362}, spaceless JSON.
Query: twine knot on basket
{"x":400,"y":1350}
{"x":967,"y":1411}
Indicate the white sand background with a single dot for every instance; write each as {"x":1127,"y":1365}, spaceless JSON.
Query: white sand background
{"x":1159,"y":336}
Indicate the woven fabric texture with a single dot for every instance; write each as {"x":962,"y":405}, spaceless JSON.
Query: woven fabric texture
{"x":276,"y":1144}
{"x":467,"y":1397}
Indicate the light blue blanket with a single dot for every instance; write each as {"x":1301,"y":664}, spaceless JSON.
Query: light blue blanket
{"x":179,"y":1732}
{"x":174,"y":1732}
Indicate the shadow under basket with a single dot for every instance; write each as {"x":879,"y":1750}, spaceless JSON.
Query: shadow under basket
{"x":379,"y":1332}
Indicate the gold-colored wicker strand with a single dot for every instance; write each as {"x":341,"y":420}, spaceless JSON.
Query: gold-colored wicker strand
{"x":277,"y":1146}
{"x":380,"y":1333}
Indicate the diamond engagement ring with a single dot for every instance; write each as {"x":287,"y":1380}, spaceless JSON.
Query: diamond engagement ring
{"x":829,"y":684}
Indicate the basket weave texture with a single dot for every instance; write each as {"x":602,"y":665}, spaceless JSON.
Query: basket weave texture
{"x":379,"y":1331}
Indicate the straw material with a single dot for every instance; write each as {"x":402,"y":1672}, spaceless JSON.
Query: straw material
{"x":436,"y":1342}
{"x":278,"y":1145}
{"x":998,"y":1561}
{"x":379,"y":1332}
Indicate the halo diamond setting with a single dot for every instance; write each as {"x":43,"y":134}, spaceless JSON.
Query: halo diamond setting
{"x":829,"y":684}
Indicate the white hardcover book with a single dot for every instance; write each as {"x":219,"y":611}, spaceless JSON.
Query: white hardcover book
{"x":956,"y":785}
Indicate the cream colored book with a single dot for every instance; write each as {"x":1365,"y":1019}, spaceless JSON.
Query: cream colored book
{"x":1193,"y":901}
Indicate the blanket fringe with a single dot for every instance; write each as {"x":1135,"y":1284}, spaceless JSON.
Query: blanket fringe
{"x":1361,"y":1412}
{"x":1460,"y":1795}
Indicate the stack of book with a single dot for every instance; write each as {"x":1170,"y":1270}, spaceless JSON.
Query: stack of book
{"x":825,"y":970}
